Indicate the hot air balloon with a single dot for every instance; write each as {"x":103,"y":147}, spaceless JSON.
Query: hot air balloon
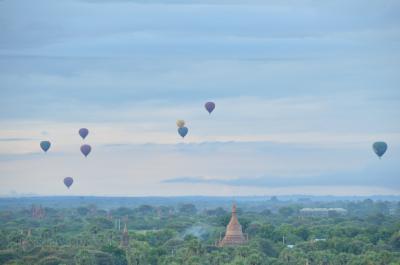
{"x":183,"y":131}
{"x":210,"y":106}
{"x":45,"y":145}
{"x":379,"y":148}
{"x":85,"y":149}
{"x":68,"y":181}
{"x":83,"y":132}
{"x":180,"y":123}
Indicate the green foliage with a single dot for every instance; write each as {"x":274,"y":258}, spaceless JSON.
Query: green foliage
{"x":118,"y":254}
{"x":82,"y":211}
{"x":7,"y":255}
{"x":395,"y":240}
{"x":51,"y":260}
{"x":187,"y":208}
{"x":84,"y":257}
{"x":103,"y":258}
{"x":286,"y":211}
{"x":186,"y":234}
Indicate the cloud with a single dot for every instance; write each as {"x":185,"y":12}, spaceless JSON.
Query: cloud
{"x":386,"y":179}
{"x":15,"y":139}
{"x":61,"y":22}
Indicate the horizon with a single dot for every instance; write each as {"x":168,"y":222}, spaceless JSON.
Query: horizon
{"x":234,"y":198}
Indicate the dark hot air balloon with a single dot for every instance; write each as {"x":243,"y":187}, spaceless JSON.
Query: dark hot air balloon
{"x":379,"y":148}
{"x":83,"y":132}
{"x":183,"y":131}
{"x":68,"y":181}
{"x":210,"y":106}
{"x":45,"y":145}
{"x":85,"y":149}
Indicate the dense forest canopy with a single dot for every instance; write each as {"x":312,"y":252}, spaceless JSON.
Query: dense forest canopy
{"x":184,"y":232}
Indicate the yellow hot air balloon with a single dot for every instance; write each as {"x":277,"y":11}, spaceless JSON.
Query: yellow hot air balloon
{"x":180,"y":123}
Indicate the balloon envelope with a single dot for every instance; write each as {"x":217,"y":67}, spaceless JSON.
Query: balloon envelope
{"x":85,"y":149}
{"x":180,"y":123}
{"x":83,"y":132}
{"x":45,"y":145}
{"x":379,"y":148}
{"x":210,"y":106}
{"x":183,"y":131}
{"x":68,"y":181}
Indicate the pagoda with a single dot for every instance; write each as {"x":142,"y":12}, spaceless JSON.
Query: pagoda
{"x":233,"y":235}
{"x":37,"y":212}
{"x":125,"y":237}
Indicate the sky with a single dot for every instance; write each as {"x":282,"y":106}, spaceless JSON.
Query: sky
{"x":302,"y":90}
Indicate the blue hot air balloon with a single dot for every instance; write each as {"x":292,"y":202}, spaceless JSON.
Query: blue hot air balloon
{"x":210,"y":106}
{"x":83,"y":132}
{"x":45,"y":145}
{"x":68,"y":181}
{"x":85,"y":149}
{"x":183,"y":131}
{"x":379,"y":148}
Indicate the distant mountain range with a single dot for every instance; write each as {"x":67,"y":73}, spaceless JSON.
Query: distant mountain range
{"x":200,"y":201}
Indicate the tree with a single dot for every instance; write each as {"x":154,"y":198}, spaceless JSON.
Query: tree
{"x":7,"y":255}
{"x":395,"y":240}
{"x":83,"y":211}
{"x":84,"y":257}
{"x":119,"y":257}
{"x":303,"y":232}
{"x":286,"y":211}
{"x":146,"y":209}
{"x":188,"y":209}
{"x":267,"y":247}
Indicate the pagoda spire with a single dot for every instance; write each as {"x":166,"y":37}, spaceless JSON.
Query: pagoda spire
{"x":125,"y":237}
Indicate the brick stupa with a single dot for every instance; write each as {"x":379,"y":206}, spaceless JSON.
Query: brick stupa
{"x":233,"y":235}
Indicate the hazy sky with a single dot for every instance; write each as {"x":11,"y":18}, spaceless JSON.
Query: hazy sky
{"x":303,"y":89}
